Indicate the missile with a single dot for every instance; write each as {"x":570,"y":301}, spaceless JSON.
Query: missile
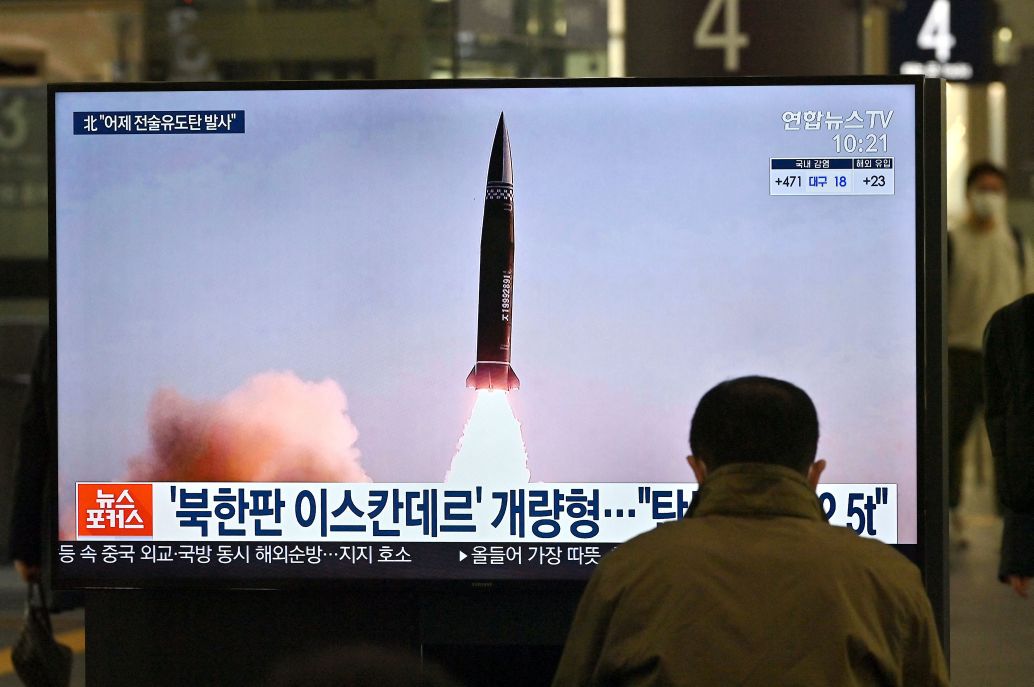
{"x":495,"y":287}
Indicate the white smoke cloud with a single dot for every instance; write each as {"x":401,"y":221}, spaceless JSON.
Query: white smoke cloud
{"x":274,"y":428}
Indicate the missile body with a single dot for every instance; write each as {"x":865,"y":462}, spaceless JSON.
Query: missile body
{"x":495,"y":287}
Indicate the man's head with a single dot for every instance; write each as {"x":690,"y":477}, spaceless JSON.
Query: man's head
{"x":985,"y":191}
{"x":755,"y":420}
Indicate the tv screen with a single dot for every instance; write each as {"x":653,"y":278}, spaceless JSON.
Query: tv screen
{"x":456,"y":331}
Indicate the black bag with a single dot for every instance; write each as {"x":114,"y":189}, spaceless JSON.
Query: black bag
{"x":38,"y":658}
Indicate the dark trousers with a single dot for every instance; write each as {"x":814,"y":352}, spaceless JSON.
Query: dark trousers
{"x":965,"y":397}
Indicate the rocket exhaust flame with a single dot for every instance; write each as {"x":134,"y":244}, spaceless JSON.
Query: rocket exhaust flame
{"x":491,"y":450}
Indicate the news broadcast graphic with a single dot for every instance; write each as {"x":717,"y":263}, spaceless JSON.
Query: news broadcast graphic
{"x":290,"y":321}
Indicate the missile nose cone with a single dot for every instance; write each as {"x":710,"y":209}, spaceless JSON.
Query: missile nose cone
{"x":499,"y":168}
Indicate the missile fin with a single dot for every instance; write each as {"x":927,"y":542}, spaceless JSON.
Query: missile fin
{"x":497,"y":376}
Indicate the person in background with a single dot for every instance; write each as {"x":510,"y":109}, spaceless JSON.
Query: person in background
{"x":1009,"y":412}
{"x":989,"y":265}
{"x":753,"y":586}
{"x":34,"y":473}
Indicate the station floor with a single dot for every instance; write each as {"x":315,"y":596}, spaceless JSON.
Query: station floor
{"x":992,"y":629}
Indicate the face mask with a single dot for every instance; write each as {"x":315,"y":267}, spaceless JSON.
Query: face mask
{"x":987,"y":204}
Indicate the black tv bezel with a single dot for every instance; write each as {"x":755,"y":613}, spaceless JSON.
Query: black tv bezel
{"x":930,"y":551}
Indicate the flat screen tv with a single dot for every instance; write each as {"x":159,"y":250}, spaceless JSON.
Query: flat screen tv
{"x":454,"y":331}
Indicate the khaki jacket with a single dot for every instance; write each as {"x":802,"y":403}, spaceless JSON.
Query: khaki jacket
{"x":756,"y":588}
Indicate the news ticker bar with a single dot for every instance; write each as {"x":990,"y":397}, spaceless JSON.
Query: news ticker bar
{"x":870,"y":176}
{"x":385,"y":513}
{"x":233,"y":561}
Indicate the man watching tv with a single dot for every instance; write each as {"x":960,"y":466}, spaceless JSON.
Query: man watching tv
{"x":753,"y":586}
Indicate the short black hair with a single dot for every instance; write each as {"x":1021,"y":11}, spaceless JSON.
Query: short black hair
{"x":980,"y":169}
{"x":755,"y":420}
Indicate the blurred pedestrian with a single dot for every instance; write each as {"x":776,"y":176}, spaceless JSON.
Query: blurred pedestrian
{"x":1009,"y":378}
{"x":989,"y":265}
{"x":35,"y":472}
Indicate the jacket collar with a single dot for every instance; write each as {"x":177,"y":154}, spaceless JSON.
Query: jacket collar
{"x":757,"y":490}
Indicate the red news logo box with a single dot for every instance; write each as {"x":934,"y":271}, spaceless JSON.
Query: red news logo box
{"x":114,"y":510}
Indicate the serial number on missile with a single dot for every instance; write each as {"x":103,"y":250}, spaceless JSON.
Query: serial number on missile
{"x":507,"y":284}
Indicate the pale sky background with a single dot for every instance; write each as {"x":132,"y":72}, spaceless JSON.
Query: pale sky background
{"x":338,"y":238}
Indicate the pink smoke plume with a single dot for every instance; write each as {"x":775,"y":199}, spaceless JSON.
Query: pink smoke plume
{"x":274,"y":428}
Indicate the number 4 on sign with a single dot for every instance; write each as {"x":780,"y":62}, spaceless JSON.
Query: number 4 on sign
{"x":731,"y":40}
{"x":935,"y":33}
